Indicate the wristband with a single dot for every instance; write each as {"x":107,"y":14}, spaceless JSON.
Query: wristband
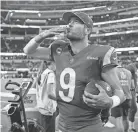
{"x":116,"y":101}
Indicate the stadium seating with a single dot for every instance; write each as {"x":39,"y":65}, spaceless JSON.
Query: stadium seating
{"x":115,"y":24}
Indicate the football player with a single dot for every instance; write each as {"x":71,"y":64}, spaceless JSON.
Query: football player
{"x":133,"y":67}
{"x":121,"y":112}
{"x":77,"y":63}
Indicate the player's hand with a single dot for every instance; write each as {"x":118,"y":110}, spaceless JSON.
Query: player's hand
{"x":100,"y":101}
{"x":52,"y":32}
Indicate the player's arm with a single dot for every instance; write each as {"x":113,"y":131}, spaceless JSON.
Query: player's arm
{"x":130,"y":79}
{"x":132,"y":69}
{"x":110,"y":76}
{"x":136,"y":86}
{"x":135,"y":81}
{"x":51,"y":86}
{"x":33,"y":47}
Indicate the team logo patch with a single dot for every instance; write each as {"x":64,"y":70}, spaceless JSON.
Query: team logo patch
{"x":59,"y":51}
{"x":108,"y":88}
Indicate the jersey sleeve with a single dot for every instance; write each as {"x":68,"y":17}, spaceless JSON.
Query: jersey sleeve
{"x":110,"y":58}
{"x":51,"y":52}
{"x":56,"y":47}
{"x":53,"y":47}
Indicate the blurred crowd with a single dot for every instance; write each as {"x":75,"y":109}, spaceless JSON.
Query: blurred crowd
{"x":11,"y":65}
{"x":15,"y":38}
{"x":121,"y":41}
{"x":20,"y":69}
{"x":118,"y":41}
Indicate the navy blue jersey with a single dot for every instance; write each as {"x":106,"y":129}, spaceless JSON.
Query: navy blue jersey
{"x":125,"y":78}
{"x":73,"y":72}
{"x":132,"y":68}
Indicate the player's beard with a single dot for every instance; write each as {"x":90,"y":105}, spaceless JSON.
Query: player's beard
{"x":74,"y":36}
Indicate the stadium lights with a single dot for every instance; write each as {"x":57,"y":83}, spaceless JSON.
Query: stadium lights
{"x":34,"y":21}
{"x":127,"y":49}
{"x":11,"y":14}
{"x":32,"y":11}
{"x":126,"y":25}
{"x":87,"y":9}
{"x":113,"y":33}
{"x":12,"y":54}
{"x":109,"y":8}
{"x":116,"y":21}
{"x":24,"y":26}
{"x":95,"y":24}
{"x":39,"y":14}
{"x":15,"y":38}
{"x":20,"y":26}
{"x":24,"y":11}
{"x":131,"y":52}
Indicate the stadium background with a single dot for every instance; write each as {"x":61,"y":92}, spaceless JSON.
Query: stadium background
{"x":115,"y":24}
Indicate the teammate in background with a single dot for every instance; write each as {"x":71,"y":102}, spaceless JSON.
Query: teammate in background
{"x":121,"y":112}
{"x":77,"y":63}
{"x":105,"y":114}
{"x":47,"y":107}
{"x":133,"y":68}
